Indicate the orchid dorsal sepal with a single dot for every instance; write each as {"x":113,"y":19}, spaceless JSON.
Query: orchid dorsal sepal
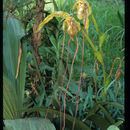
{"x":81,"y":7}
{"x":84,"y":10}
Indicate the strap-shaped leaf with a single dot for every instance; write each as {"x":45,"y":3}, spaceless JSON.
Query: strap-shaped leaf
{"x":99,"y":121}
{"x":99,"y":57}
{"x":101,"y":40}
{"x":9,"y":99}
{"x":96,"y":27}
{"x":97,"y":53}
{"x":107,"y":115}
{"x":78,"y":124}
{"x":97,"y":107}
{"x":90,"y":41}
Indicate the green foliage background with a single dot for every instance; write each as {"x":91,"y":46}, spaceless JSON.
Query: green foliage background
{"x":18,"y":23}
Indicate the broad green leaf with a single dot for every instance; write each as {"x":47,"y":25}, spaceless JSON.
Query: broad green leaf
{"x":12,"y":34}
{"x":9,"y":99}
{"x":113,"y":127}
{"x":101,"y":40}
{"x":29,"y":124}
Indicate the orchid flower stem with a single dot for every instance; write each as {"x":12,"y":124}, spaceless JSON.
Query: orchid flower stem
{"x":81,"y":72}
{"x":69,"y":81}
{"x":64,"y":78}
{"x":79,"y":87}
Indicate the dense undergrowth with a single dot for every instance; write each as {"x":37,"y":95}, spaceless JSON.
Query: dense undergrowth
{"x":33,"y":79}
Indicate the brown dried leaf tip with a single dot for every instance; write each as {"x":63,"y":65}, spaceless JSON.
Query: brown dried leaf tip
{"x":19,"y":58}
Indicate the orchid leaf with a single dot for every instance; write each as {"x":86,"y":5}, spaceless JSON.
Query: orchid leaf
{"x":99,"y":121}
{"x":90,"y":41}
{"x":101,"y":40}
{"x":13,"y":92}
{"x":99,"y":57}
{"x":78,"y":124}
{"x":96,"y":27}
{"x":29,"y":124}
{"x":60,"y":14}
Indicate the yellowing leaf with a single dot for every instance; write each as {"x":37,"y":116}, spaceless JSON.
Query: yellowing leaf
{"x":107,"y":81}
{"x":101,"y":40}
{"x":61,"y":14}
{"x":94,"y":21}
{"x":90,"y":41}
{"x":99,"y":57}
{"x":97,"y":54}
{"x":107,"y":84}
